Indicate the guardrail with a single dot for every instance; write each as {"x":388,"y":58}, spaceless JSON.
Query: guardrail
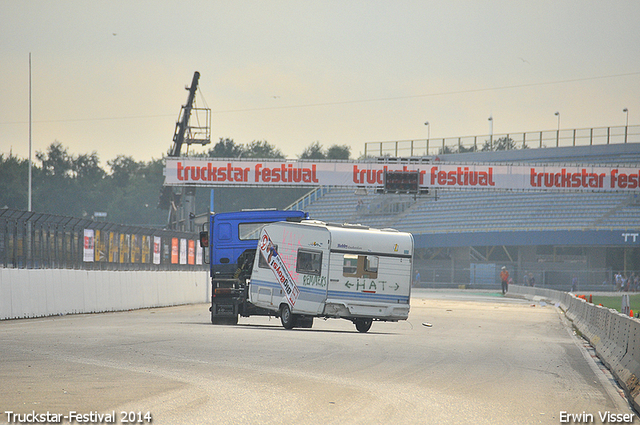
{"x":505,"y":141}
{"x":30,"y":240}
{"x":614,"y":336}
{"x":562,"y":274}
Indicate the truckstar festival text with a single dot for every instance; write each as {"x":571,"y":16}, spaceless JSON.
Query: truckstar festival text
{"x":548,"y":177}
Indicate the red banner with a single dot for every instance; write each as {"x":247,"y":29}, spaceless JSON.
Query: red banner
{"x":175,"y":251}
{"x":191,"y":252}
{"x":547,"y":177}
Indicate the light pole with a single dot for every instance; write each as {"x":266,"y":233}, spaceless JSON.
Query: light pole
{"x":557,"y":114}
{"x":29,"y":206}
{"x":626,"y":126}
{"x":491,"y":132}
{"x":428,"y":136}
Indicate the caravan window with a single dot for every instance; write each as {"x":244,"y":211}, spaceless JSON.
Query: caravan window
{"x":309,"y":262}
{"x":371,"y":264}
{"x":360,"y":266}
{"x":350,"y":265}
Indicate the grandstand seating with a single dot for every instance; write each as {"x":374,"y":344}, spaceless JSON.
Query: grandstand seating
{"x":468,"y":211}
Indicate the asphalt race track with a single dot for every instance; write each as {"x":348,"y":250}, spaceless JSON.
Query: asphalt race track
{"x":463,"y":357}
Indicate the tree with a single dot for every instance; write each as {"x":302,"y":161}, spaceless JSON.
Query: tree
{"x":134,"y":198}
{"x":313,"y":151}
{"x":88,"y":183}
{"x":56,"y":161}
{"x":457,"y":149}
{"x":472,"y":148}
{"x":123,"y":169}
{"x":262,"y":149}
{"x":87,"y":167}
{"x":502,"y":144}
{"x":77,"y":185}
{"x":225,"y":148}
{"x":13,"y":182}
{"x":54,"y":188}
{"x":316,"y":151}
{"x":445,"y":150}
{"x":339,"y":152}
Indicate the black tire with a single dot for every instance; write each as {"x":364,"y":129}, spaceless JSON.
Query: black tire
{"x":217,"y":320}
{"x":286,"y":317}
{"x":304,"y":322}
{"x":363,"y":325}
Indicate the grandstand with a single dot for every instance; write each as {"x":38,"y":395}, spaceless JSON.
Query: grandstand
{"x":467,"y":211}
{"x":552,"y":235}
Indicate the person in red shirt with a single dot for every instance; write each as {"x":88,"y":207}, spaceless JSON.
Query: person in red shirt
{"x":504,"y":278}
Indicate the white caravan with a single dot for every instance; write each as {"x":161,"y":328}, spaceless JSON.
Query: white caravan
{"x":315,"y":269}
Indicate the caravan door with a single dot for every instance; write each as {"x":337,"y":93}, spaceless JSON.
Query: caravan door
{"x":291,"y":267}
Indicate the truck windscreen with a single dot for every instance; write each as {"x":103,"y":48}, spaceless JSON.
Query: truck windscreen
{"x":249,"y":231}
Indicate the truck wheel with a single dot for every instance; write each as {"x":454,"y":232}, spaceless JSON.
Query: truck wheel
{"x":216,"y":320}
{"x":286,"y":317}
{"x":363,"y":325}
{"x":304,"y":322}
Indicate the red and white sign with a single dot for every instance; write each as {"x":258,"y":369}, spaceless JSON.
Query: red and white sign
{"x":156,"y":249}
{"x":183,"y":251}
{"x":89,"y":246}
{"x":191,"y":252}
{"x":279,"y":268}
{"x":548,"y":177}
{"x":175,"y":251}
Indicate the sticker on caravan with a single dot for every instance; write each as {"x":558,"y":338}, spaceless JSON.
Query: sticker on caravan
{"x":279,"y":269}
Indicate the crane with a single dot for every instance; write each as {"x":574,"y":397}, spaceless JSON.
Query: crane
{"x":181,"y":201}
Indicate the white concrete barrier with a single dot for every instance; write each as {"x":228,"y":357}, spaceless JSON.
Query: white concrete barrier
{"x":631,"y":363}
{"x":615,"y":337}
{"x":46,"y":292}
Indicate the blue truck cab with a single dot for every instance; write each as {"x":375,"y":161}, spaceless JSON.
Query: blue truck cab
{"x":232,"y":240}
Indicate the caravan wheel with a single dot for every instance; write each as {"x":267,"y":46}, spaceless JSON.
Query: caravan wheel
{"x":286,"y":317}
{"x":363,"y":325}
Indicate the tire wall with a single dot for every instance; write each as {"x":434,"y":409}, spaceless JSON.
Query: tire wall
{"x":615,"y":337}
{"x":47,"y":292}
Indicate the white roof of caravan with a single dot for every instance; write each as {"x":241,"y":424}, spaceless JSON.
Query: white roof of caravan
{"x":357,"y":238}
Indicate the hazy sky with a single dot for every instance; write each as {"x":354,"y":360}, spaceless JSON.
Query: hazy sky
{"x":109,"y":76}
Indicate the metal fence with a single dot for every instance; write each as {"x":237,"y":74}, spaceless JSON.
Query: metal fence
{"x":533,"y":139}
{"x":38,"y":241}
